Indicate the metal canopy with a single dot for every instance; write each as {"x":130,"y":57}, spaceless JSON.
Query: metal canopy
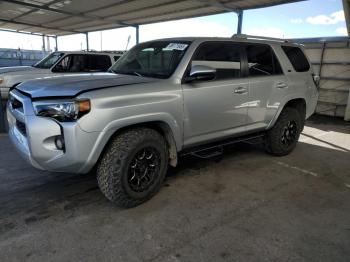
{"x":63,"y":17}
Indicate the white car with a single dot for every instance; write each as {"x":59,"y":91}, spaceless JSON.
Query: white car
{"x":57,"y":63}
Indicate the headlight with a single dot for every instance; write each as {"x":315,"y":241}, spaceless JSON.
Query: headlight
{"x":63,"y":111}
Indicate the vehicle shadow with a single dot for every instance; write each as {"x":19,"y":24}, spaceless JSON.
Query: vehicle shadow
{"x":28,"y":196}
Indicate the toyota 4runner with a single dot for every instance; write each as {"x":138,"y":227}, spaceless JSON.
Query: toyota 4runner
{"x":163,"y":99}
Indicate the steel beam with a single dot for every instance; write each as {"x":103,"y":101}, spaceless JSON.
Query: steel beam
{"x":41,"y":26}
{"x":19,"y":32}
{"x":217,"y":3}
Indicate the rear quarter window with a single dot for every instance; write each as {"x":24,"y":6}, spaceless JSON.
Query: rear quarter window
{"x":297,"y":58}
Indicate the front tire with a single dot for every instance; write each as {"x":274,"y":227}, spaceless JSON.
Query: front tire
{"x":283,"y":137}
{"x":133,"y":168}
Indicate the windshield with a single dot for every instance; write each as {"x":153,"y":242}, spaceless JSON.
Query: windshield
{"x":49,"y":61}
{"x":157,"y":59}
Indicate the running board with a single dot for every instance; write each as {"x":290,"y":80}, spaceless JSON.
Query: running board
{"x":209,"y":153}
{"x":215,"y":149}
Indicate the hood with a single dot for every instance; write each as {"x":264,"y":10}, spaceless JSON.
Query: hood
{"x":5,"y":70}
{"x":73,"y":85}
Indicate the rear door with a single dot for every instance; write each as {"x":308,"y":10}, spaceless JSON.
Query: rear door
{"x":266,"y":80}
{"x":215,"y":108}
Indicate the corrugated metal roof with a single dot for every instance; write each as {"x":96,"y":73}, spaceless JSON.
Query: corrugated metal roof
{"x":62,"y":17}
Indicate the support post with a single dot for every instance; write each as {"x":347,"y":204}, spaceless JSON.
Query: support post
{"x":56,"y":43}
{"x":44,"y":46}
{"x":137,"y":27}
{"x":240,"y":22}
{"x":87,"y":41}
{"x":346,"y":6}
{"x":2,"y":117}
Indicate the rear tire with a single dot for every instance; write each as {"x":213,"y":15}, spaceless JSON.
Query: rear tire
{"x":133,"y":167}
{"x":283,"y":137}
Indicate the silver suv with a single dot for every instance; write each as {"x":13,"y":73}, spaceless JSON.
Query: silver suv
{"x":56,"y":64}
{"x":161,"y":100}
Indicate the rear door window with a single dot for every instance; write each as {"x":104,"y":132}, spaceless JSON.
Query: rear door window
{"x":262,"y":61}
{"x":225,"y":57}
{"x":98,"y":63}
{"x":297,"y":58}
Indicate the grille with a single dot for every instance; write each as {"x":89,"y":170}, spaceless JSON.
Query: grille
{"x":21,"y":127}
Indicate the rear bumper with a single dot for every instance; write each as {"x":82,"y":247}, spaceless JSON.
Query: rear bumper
{"x":34,"y":138}
{"x":312,"y":104}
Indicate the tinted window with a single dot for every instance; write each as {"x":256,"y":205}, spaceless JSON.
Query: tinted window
{"x":224,"y":57}
{"x":157,"y":59}
{"x":262,"y":61}
{"x":83,"y":63}
{"x":96,"y":63}
{"x":116,"y":58}
{"x":297,"y":58}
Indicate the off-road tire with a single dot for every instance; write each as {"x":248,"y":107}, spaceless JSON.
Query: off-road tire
{"x":273,"y":140}
{"x":113,"y":168}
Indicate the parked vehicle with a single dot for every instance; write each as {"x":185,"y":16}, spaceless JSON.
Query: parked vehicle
{"x":57,"y":63}
{"x":164,"y":98}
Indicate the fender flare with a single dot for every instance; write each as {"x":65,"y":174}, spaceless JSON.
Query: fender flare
{"x":174,"y":138}
{"x":283,"y":104}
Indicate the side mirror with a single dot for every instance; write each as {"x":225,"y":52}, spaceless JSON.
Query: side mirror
{"x":201,"y":73}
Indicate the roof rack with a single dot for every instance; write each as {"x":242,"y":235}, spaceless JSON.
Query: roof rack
{"x":243,"y":36}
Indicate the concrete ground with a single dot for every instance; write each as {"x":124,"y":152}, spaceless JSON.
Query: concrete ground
{"x":248,"y":206}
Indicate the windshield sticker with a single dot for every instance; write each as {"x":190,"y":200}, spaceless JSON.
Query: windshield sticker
{"x":176,"y":46}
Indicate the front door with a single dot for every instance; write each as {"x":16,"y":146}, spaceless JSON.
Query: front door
{"x":216,"y":108}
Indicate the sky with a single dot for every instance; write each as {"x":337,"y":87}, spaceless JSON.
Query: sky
{"x":312,"y":18}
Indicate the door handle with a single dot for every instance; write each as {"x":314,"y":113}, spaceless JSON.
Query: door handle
{"x":240,"y":90}
{"x":281,"y":85}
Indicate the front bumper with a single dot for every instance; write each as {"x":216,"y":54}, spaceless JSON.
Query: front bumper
{"x":34,"y":138}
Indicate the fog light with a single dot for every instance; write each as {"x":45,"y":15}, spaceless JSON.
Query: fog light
{"x":59,"y":142}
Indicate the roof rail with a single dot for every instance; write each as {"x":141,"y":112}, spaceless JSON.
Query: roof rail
{"x":114,"y":52}
{"x":243,"y":36}
{"x":103,"y":51}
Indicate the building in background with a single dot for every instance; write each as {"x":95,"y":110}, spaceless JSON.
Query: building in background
{"x":18,"y":57}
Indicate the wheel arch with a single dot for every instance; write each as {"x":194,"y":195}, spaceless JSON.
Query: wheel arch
{"x":298,"y":103}
{"x":161,"y":127}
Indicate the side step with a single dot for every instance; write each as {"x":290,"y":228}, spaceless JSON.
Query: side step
{"x":209,"y":153}
{"x":215,"y":149}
